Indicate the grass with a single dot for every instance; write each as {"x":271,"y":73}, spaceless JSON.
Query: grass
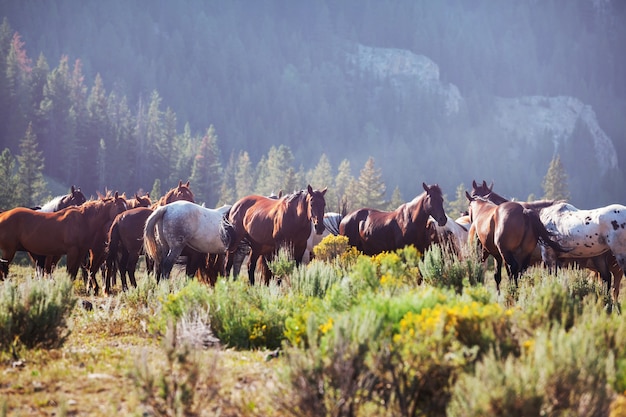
{"x":114,"y":362}
{"x":92,"y":374}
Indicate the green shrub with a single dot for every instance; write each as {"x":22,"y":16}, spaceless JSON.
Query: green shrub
{"x":313,"y":280}
{"x":248,"y":317}
{"x":442,"y":268}
{"x":394,"y":355}
{"x":34,"y":313}
{"x":559,"y":373}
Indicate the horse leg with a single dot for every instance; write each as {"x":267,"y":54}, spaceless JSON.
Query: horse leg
{"x":601,"y":265}
{"x":512,"y":266}
{"x":129,"y":268}
{"x":123,"y":267}
{"x":8,"y":255}
{"x":254,"y":257}
{"x":168,"y":261}
{"x":498,"y":272}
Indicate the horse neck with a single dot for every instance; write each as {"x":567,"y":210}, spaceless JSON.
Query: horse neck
{"x":300,"y":203}
{"x":495,"y":198}
{"x":416,"y":210}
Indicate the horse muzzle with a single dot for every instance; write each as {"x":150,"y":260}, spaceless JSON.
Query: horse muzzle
{"x":442,"y":221}
{"x":319,"y":228}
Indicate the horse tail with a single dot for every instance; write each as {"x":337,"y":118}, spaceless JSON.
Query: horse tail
{"x":545,"y":237}
{"x":332,"y":223}
{"x":113,"y":243}
{"x":150,"y":243}
{"x":227,"y":233}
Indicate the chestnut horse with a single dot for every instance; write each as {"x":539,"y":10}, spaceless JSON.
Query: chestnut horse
{"x":509,"y":232}
{"x":43,"y":264}
{"x":374,"y":231}
{"x":268,"y":224}
{"x":573,"y":227}
{"x":125,"y":238}
{"x":139,"y":201}
{"x":76,"y":231}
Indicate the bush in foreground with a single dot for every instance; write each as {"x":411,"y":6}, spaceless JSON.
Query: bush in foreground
{"x":34,"y":313}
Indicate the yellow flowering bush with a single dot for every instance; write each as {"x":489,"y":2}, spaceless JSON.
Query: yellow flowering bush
{"x":331,"y":247}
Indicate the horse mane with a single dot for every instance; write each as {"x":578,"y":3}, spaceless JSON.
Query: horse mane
{"x":51,"y":205}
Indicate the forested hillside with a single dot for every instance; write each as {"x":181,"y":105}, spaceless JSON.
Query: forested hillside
{"x":243,"y":96}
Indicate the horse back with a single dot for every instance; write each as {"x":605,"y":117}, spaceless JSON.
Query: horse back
{"x":44,"y":233}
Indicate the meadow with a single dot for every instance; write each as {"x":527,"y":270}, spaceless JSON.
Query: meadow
{"x":345,"y":335}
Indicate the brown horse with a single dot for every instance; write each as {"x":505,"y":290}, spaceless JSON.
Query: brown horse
{"x":181,"y":192}
{"x":604,"y":264}
{"x":268,"y":224}
{"x":76,"y":231}
{"x":125,"y":238}
{"x":509,"y":232}
{"x":374,"y":231}
{"x":43,"y":264}
{"x":139,"y":201}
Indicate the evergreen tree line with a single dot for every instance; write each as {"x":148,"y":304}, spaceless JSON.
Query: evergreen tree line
{"x":91,"y":138}
{"x":276,"y":72}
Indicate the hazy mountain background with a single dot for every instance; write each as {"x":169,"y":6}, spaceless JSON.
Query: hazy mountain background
{"x":438,"y":91}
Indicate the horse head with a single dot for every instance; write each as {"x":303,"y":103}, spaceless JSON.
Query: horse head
{"x":116,"y":204}
{"x":433,"y":203}
{"x":182,"y":192}
{"x":317,"y":205}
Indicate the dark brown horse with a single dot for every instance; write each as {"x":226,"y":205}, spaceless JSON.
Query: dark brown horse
{"x":268,"y":224}
{"x":604,"y":264}
{"x":509,"y":232}
{"x":374,"y":231}
{"x":125,"y":238}
{"x":75,"y":231}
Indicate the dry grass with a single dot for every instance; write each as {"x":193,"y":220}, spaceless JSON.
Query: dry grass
{"x":92,"y":374}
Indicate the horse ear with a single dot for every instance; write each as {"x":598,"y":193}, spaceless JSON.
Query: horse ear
{"x":324,"y":190}
{"x":309,"y":189}
{"x":425,"y":187}
{"x":72,"y":189}
{"x":491,"y":186}
{"x":469,"y":197}
{"x":116,"y":195}
{"x":180,"y":183}
{"x":474,"y":185}
{"x":187,"y":184}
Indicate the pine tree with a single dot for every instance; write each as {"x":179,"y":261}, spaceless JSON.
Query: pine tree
{"x":342,"y":182}
{"x":370,"y":189}
{"x":322,"y":176}
{"x":279,"y":177}
{"x":207,"y":170}
{"x":555,"y":185}
{"x":31,"y":187}
{"x":8,"y":198}
{"x":227,"y":188}
{"x":396,"y":199}
{"x":244,"y":176}
{"x":459,"y":206}
{"x":156,"y":192}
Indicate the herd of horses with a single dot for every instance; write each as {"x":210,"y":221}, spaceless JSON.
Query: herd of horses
{"x":111,"y":232}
